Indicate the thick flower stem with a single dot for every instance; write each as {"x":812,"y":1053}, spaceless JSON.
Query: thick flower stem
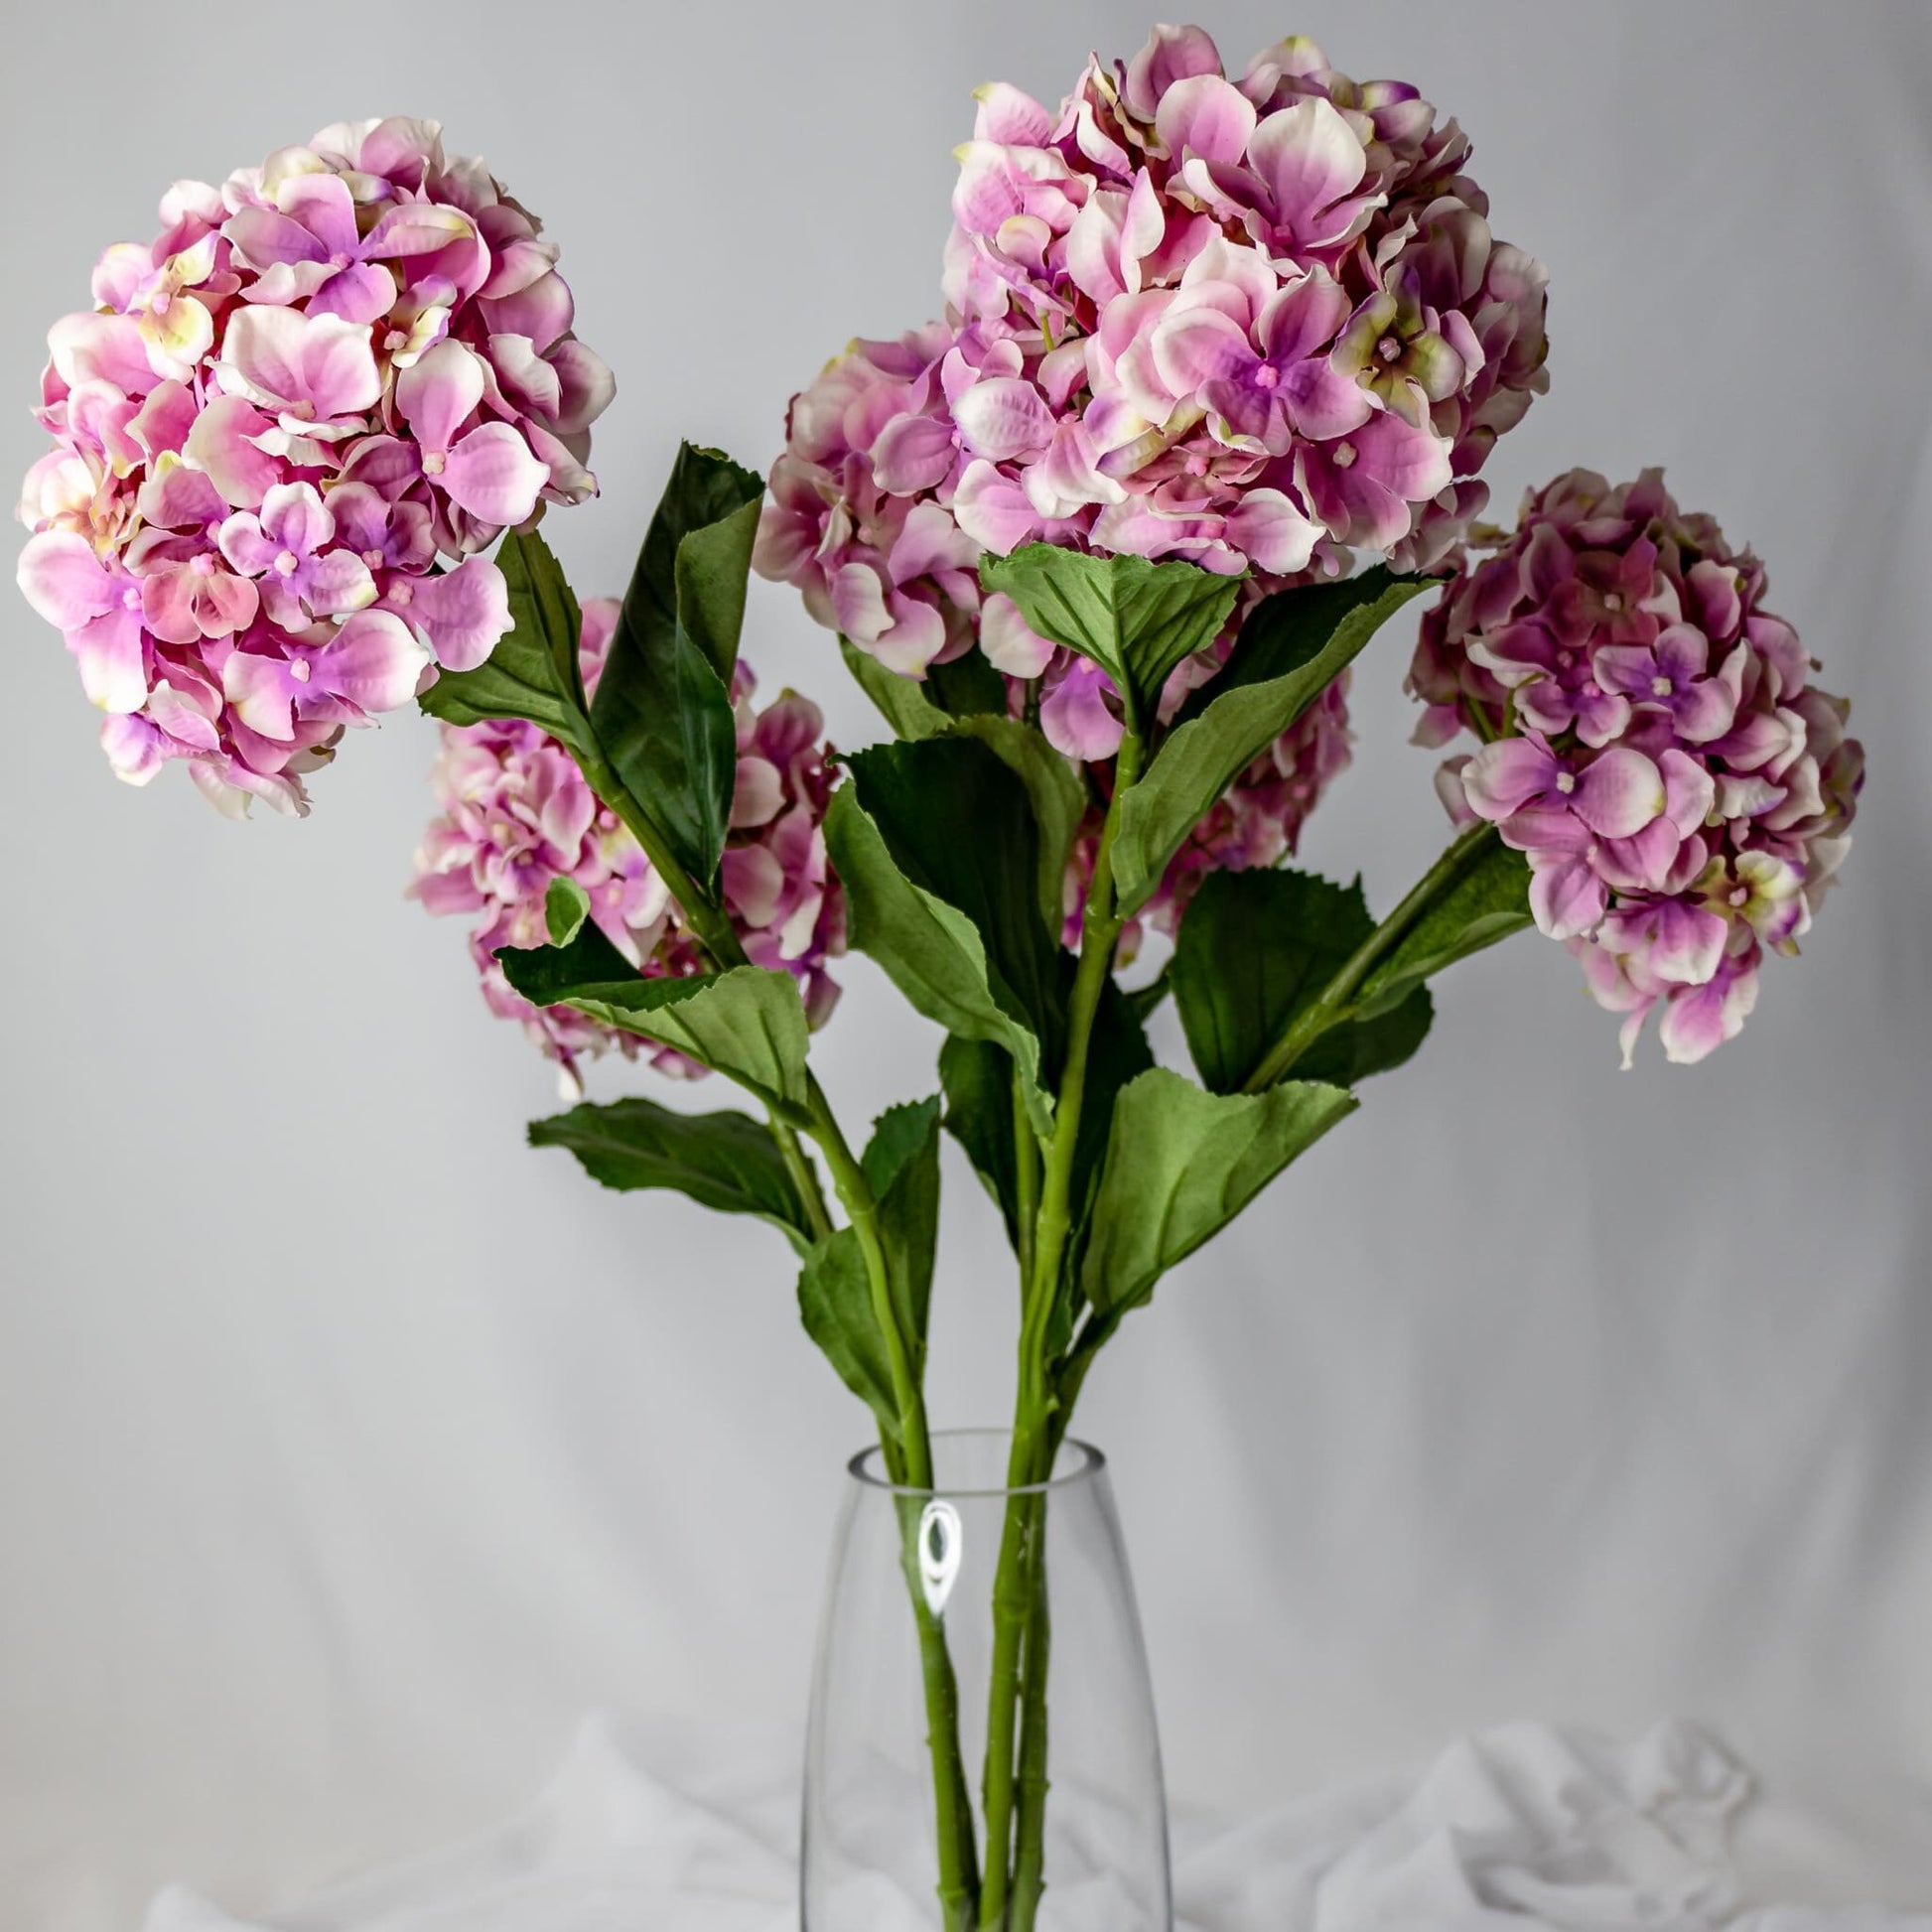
{"x":1332,"y":1005}
{"x":1030,"y":1832}
{"x":908,"y":1451}
{"x":1025,"y":1162}
{"x":1019,"y":1578}
{"x":912,"y":1465}
{"x":805,"y":1176}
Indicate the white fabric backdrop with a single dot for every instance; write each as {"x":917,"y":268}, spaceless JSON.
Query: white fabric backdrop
{"x":348,"y":1451}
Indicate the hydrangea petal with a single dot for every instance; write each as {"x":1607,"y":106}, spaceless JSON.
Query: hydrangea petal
{"x":493,"y":475}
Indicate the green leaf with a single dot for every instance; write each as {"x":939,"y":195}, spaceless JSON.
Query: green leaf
{"x":930,"y":950}
{"x":1291,"y":648}
{"x":1116,"y":1055}
{"x":1135,"y":618}
{"x":959,"y":821}
{"x":902,"y":1164}
{"x":747,"y":1024}
{"x":696,"y":556}
{"x":977,"y":1078}
{"x":1257,"y":948}
{"x":938,"y":848}
{"x":835,"y":1305}
{"x":662,"y":713}
{"x":1349,"y":1054}
{"x":533,"y":672}
{"x":967,"y":686}
{"x":1147,"y":1000}
{"x":722,"y":1160}
{"x":1487,"y":901}
{"x":1058,"y":799}
{"x":901,"y":701}
{"x":566,"y":905}
{"x":1182,"y":1164}
{"x":1054,"y":790}
{"x":978,"y":1081}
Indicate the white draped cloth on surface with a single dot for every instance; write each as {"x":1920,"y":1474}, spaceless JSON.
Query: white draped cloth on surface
{"x":1511,"y":1830}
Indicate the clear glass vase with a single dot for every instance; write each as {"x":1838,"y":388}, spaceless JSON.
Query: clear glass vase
{"x":961,"y":1613}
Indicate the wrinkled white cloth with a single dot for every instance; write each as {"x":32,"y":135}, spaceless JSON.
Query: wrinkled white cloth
{"x":1513,"y":1830}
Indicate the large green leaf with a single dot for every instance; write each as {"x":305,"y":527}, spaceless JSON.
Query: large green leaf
{"x":1135,"y":618}
{"x":662,"y":712}
{"x":1292,"y":646}
{"x":902,"y":1167}
{"x":1059,"y":798}
{"x":835,"y":1305}
{"x":723,"y":1160}
{"x":967,"y":686}
{"x":958,"y":820}
{"x":1117,"y":1053}
{"x":533,"y":672}
{"x":1349,"y":1054}
{"x":1182,"y":1163}
{"x":747,"y":1024}
{"x":1256,"y":949}
{"x":1054,"y":790}
{"x":977,"y":1080}
{"x":902,"y":702}
{"x":936,"y":846}
{"x":1487,"y":900}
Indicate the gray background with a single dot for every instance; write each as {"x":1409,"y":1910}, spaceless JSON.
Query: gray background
{"x":347,"y":1450}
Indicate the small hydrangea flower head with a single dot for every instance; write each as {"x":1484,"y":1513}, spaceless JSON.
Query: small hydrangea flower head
{"x":515,"y":814}
{"x":284,"y":437}
{"x":1251,"y":321}
{"x":1651,"y":740}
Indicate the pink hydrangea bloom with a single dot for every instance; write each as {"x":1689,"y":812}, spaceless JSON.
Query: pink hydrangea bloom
{"x":283,"y":437}
{"x":516,"y":814}
{"x":1652,"y":742}
{"x":1244,"y":322}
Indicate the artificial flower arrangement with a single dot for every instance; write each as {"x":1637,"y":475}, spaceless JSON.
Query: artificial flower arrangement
{"x":1091,"y":544}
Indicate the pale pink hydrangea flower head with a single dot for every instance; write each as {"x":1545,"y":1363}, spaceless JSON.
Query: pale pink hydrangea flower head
{"x":516,"y":814}
{"x":1652,"y":741}
{"x":1249,"y":322}
{"x":1256,"y":323}
{"x":283,"y":438}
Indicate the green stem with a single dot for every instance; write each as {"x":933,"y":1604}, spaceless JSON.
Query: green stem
{"x":719,"y":938}
{"x":805,"y":1176}
{"x":1030,"y":1835}
{"x":1331,"y":1006}
{"x":1099,"y":936}
{"x":910,"y":1460}
{"x":912,"y":1465}
{"x":958,"y":1848}
{"x":1097,"y":1332}
{"x":1030,"y":1458}
{"x":862,"y":1208}
{"x":1025,"y":1162}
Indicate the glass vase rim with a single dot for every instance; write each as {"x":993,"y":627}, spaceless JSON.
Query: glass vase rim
{"x":1089,"y":1464}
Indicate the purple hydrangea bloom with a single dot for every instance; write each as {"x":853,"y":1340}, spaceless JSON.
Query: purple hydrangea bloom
{"x":1245,"y":322}
{"x":1652,"y":741}
{"x":323,"y":377}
